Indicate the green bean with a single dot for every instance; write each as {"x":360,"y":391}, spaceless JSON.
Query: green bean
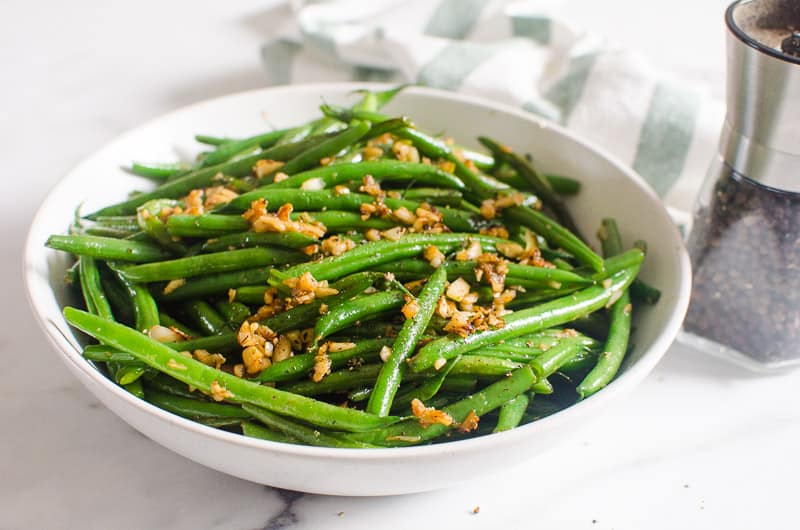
{"x":619,"y":329}
{"x":106,"y":231}
{"x":394,"y":170}
{"x":337,"y":221}
{"x":552,"y":359}
{"x":204,"y":177}
{"x":204,"y":377}
{"x":305,"y":314}
{"x":476,"y":364}
{"x":234,"y":312}
{"x":205,"y":317}
{"x":135,"y":388}
{"x":193,"y":408}
{"x":213,"y":343}
{"x":424,"y":391}
{"x":530,"y":320}
{"x":145,"y":313}
{"x":563,"y":185}
{"x":216,"y":283}
{"x":511,"y":413}
{"x":250,"y":294}
{"x":96,"y":299}
{"x":329,"y":147}
{"x":208,"y":225}
{"x":148,"y":219}
{"x":233,"y":260}
{"x":644,"y":292}
{"x":101,"y":353}
{"x":167,"y":385}
{"x":435,"y":196}
{"x":391,"y":374}
{"x":540,"y":186}
{"x":411,"y":432}
{"x":362,"y":308}
{"x":107,"y":248}
{"x":430,"y":388}
{"x":300,"y":432}
{"x":252,"y":430}
{"x":231,"y":148}
{"x":431,"y":147}
{"x":117,"y":296}
{"x":345,"y":380}
{"x":182,"y":185}
{"x":293,"y":240}
{"x":302,"y":200}
{"x":294,"y":318}
{"x":158,"y":171}
{"x":555,"y":234}
{"x":168,"y":321}
{"x":378,"y":252}
{"x":212,"y":140}
{"x":299,"y":366}
{"x":466,"y":269}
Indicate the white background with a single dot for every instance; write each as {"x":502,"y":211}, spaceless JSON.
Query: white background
{"x":700,"y":444}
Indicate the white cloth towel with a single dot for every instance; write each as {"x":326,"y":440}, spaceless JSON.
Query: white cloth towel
{"x":522,"y":53}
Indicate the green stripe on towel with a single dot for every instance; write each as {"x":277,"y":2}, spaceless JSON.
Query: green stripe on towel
{"x":536,"y":28}
{"x":278,"y":56}
{"x":666,"y":136}
{"x":454,"y":19}
{"x":448,"y":69}
{"x":567,"y":91}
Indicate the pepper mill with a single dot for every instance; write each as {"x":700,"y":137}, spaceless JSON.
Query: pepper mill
{"x":745,"y":236}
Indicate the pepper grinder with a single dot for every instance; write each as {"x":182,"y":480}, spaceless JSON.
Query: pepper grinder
{"x":745,"y":236}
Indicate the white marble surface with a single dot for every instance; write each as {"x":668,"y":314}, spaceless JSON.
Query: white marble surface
{"x":700,"y":444}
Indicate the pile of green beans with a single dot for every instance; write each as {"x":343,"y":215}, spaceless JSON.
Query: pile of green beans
{"x":353,"y":282}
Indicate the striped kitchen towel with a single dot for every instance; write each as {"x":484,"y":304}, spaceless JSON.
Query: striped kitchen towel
{"x":521,"y":53}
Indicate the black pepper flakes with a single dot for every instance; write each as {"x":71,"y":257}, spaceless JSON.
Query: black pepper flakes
{"x":745,"y":249}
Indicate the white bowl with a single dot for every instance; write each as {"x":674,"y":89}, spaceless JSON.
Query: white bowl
{"x":609,"y":189}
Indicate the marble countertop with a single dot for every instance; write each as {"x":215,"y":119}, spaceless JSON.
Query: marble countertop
{"x":700,"y":444}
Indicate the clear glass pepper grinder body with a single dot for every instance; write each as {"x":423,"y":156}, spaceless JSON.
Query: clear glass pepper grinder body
{"x":745,"y":237}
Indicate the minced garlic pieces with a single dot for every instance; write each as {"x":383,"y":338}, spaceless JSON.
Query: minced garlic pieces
{"x":215,"y":360}
{"x":404,"y":215}
{"x":394,"y":234}
{"x":429,"y":220}
{"x":255,"y":358}
{"x":306,"y":288}
{"x":174,"y":285}
{"x":404,"y":151}
{"x":218,"y":195}
{"x":263,"y":221}
{"x":199,"y":201}
{"x":165,"y":334}
{"x":510,"y":249}
{"x":428,"y":416}
{"x":257,"y":341}
{"x":457,"y":289}
{"x":434,"y":256}
{"x":411,"y":307}
{"x":372,"y":152}
{"x":266,"y":167}
{"x":470,"y":253}
{"x":322,"y":364}
{"x":175,"y":365}
{"x":371,"y":187}
{"x":283,"y":349}
{"x":470,"y":423}
{"x":219,"y":392}
{"x":337,"y":245}
{"x":490,"y":207}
